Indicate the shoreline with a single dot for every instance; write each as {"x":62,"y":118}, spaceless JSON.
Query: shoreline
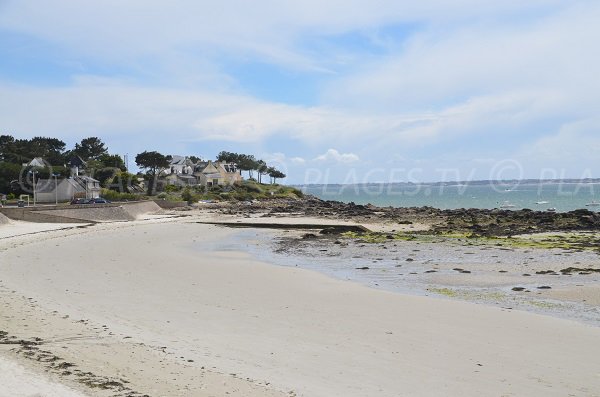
{"x":132,"y":292}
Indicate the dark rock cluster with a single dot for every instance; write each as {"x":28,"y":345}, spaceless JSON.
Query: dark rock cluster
{"x":476,"y":222}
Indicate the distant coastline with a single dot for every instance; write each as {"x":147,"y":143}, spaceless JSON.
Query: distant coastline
{"x":481,"y":182}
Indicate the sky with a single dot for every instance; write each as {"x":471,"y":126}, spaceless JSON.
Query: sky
{"x":329,"y":91}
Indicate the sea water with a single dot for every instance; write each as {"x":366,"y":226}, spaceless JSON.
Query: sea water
{"x":536,"y":196}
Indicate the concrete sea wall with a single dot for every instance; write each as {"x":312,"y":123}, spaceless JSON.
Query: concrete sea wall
{"x":85,"y":213}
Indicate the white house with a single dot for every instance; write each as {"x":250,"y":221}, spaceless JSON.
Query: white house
{"x":180,"y":165}
{"x":49,"y":190}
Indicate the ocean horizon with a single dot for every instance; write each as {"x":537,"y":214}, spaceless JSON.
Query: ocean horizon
{"x":561,"y":196}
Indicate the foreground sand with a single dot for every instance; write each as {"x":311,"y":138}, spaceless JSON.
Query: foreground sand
{"x":17,"y":381}
{"x":156,"y":304}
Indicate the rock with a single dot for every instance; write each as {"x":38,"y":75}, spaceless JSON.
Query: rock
{"x":308,"y":236}
{"x":544,"y":287}
{"x":550,"y":272}
{"x":363,"y":268}
{"x":518,"y":289}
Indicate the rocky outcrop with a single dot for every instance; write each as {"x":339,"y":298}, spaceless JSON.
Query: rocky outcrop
{"x":476,"y":222}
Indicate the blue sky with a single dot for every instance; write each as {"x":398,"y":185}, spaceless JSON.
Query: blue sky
{"x":329,"y":91}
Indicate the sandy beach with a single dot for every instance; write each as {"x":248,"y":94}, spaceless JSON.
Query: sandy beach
{"x":171,"y":307}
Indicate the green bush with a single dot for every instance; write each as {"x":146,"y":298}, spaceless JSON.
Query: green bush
{"x":172,"y":188}
{"x":116,"y":196}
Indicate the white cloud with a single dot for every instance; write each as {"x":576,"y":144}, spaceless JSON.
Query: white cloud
{"x":332,"y":155}
{"x":438,"y":67}
{"x":574,"y":142}
{"x":124,"y":111}
{"x":114,"y":29}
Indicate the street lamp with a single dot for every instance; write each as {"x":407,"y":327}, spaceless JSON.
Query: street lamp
{"x":33,"y":172}
{"x":55,"y":189}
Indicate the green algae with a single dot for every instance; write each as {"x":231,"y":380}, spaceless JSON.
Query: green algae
{"x":445,"y":292}
{"x":567,"y":241}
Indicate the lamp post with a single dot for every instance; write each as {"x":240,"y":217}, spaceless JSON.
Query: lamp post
{"x":33,"y":172}
{"x":55,"y":189}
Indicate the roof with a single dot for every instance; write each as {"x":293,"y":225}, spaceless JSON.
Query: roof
{"x":228,"y":167}
{"x":87,"y":178}
{"x":37,"y":162}
{"x":200,"y":166}
{"x":180,"y":160}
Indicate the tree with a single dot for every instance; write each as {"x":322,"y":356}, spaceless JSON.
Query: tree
{"x":247,"y":162}
{"x":275,"y":174}
{"x":262,"y":169}
{"x":90,"y":149}
{"x":19,"y":151}
{"x":153,"y":163}
{"x":112,"y":160}
{"x":7,"y":147}
{"x":9,"y":173}
{"x":122,"y":182}
{"x":194,"y":159}
{"x":228,"y":157}
{"x":50,"y":149}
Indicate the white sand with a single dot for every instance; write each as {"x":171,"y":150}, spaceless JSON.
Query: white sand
{"x":17,"y":381}
{"x":164,"y":285}
{"x":19,"y":228}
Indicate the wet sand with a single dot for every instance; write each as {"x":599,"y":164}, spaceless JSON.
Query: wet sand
{"x":163,"y":309}
{"x":519,"y":278}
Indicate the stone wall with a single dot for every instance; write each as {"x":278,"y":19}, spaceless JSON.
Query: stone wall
{"x":27,"y":215}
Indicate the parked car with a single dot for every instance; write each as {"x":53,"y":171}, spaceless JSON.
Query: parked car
{"x":99,"y":200}
{"x":77,"y":201}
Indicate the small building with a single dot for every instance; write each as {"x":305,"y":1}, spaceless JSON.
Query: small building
{"x":51,"y":190}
